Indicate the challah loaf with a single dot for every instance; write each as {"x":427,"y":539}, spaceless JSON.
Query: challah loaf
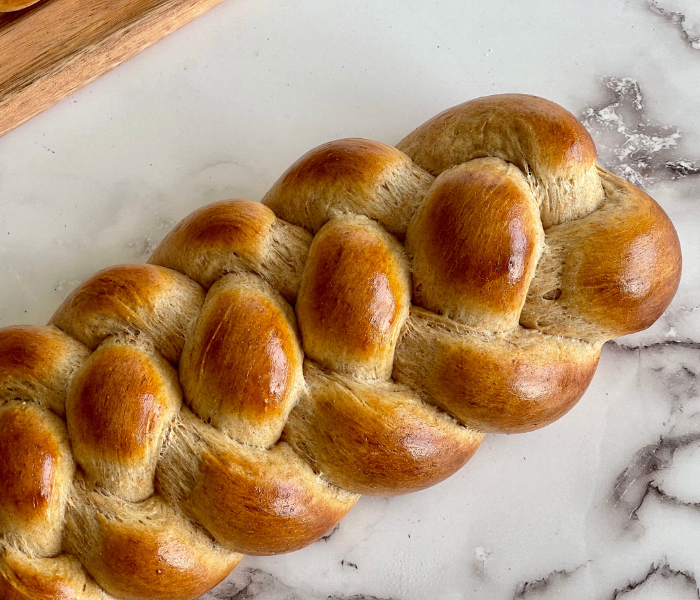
{"x":356,"y":333}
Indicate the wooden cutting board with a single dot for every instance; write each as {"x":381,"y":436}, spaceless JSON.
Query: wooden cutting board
{"x":52,"y":49}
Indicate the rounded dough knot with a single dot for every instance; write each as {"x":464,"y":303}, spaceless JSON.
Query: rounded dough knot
{"x":357,"y":332}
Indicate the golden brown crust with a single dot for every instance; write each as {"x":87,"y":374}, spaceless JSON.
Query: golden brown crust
{"x":250,"y":500}
{"x":117,"y":412}
{"x":351,"y":176}
{"x":545,"y":134}
{"x":475,"y":242}
{"x":60,"y":578}
{"x":237,"y":226}
{"x":159,"y":302}
{"x":145,"y":551}
{"x":377,"y":439}
{"x":354,"y":297}
{"x":232,"y":236}
{"x":509,"y":383}
{"x":27,"y":480}
{"x":37,"y":363}
{"x":611,"y":273}
{"x":143,"y":565}
{"x":520,"y":231}
{"x":35,"y":472}
{"x":538,"y":136}
{"x":242,"y":366}
{"x":256,"y":510}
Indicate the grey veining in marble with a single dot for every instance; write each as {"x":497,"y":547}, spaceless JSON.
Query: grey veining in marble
{"x":685,"y":14}
{"x":602,"y":505}
{"x":630,"y":144}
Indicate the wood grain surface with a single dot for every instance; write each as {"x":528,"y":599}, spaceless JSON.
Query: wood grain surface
{"x":52,"y":49}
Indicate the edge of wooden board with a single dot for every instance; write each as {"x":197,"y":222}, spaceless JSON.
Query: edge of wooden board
{"x":55,"y":81}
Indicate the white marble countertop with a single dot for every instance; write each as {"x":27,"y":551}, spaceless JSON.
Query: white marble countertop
{"x":602,"y":505}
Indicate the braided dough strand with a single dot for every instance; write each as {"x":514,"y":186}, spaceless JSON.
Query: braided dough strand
{"x":357,"y":332}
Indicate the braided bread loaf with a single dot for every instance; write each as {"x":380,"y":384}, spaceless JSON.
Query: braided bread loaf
{"x":356,"y":333}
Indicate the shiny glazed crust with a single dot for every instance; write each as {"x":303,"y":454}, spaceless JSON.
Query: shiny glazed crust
{"x":358,"y":332}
